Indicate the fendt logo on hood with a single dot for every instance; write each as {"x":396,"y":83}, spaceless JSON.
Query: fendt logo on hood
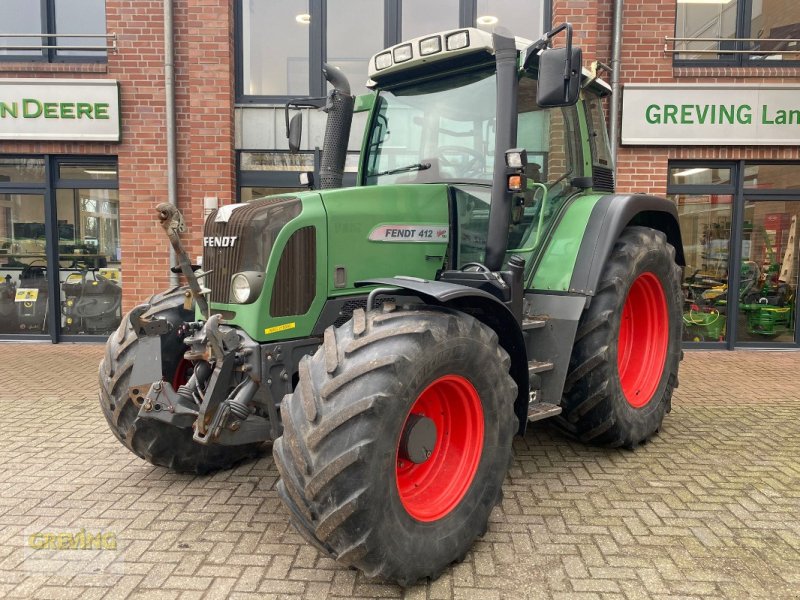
{"x":224,"y":241}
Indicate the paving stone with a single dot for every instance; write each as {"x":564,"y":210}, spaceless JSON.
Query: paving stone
{"x":707,"y":509}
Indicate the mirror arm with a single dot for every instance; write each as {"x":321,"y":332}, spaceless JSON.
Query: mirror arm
{"x":544,"y":42}
{"x":301,"y":103}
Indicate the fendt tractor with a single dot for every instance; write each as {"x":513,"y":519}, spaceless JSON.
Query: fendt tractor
{"x":391,"y":338}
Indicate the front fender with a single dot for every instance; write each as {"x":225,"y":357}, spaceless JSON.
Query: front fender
{"x":488,"y":310}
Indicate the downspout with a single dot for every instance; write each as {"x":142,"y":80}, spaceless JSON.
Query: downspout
{"x":616,"y":49}
{"x":169,"y":90}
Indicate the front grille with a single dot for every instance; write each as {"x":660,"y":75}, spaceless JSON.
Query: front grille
{"x":255,"y":226}
{"x":296,"y":280}
{"x":602,"y":179}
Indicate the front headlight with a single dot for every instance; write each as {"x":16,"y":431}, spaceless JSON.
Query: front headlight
{"x":246,"y":286}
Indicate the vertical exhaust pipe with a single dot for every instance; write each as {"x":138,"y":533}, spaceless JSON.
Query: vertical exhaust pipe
{"x":337,"y":130}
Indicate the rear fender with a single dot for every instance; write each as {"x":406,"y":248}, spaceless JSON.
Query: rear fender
{"x":488,"y":310}
{"x":608,"y":218}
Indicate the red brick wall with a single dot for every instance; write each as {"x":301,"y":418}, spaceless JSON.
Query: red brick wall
{"x":646,"y":24}
{"x":204,"y":106}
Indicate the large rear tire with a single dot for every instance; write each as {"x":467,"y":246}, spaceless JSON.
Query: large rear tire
{"x":158,"y":443}
{"x":346,"y":476}
{"x":624,"y":364}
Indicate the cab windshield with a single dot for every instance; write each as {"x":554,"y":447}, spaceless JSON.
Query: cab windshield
{"x":440,"y":130}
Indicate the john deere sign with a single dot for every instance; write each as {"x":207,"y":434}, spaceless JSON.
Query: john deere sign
{"x":710,"y":114}
{"x":59,"y":109}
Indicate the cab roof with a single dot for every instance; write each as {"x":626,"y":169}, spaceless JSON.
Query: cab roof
{"x":446,"y":46}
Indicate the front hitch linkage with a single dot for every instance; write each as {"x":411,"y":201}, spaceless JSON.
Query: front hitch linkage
{"x":172,"y":222}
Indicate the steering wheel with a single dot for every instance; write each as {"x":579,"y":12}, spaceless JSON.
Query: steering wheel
{"x":472,"y":163}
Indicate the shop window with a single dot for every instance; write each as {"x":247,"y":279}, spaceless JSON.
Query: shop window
{"x":84,"y":170}
{"x":275,"y":47}
{"x":89,"y":257}
{"x":705,"y":222}
{"x":282,"y":44}
{"x":268,"y":173}
{"x":771,"y":177}
{"x":739,"y":227}
{"x":276,"y":161}
{"x":21,"y":170}
{"x":420,"y":17}
{"x":705,"y":215}
{"x":768,"y":280}
{"x":700,"y":176}
{"x":53,"y":30}
{"x":739,"y":32}
{"x":524,"y":19}
{"x":23,"y":264}
{"x":61,"y":277}
{"x":355,"y":32}
{"x":248,"y":194}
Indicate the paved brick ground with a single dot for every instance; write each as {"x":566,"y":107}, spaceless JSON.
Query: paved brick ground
{"x":709,"y":508}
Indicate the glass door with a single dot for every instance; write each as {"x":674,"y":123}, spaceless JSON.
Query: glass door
{"x":768,"y":279}
{"x":60,"y":257}
{"x":89,"y":254}
{"x":90,"y":270}
{"x":23,"y":264}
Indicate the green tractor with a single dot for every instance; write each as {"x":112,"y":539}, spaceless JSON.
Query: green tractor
{"x":391,"y":338}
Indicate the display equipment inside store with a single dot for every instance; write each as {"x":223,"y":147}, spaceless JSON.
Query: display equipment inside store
{"x":63,"y":273}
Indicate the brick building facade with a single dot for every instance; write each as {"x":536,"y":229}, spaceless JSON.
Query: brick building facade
{"x":230,"y":145}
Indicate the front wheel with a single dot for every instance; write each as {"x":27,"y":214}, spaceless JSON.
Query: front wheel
{"x":397,"y":439}
{"x":154,"y":441}
{"x":624,"y":364}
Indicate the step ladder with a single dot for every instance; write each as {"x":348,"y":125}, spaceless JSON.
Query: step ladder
{"x":537,"y":410}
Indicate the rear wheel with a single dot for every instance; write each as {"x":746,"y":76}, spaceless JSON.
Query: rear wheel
{"x":397,"y":439}
{"x":156,"y":442}
{"x":624,"y":364}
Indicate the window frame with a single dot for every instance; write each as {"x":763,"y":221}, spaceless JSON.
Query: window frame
{"x":280,"y":179}
{"x":47,"y":188}
{"x":49,"y":38}
{"x":741,"y":196}
{"x":318,"y":37}
{"x":744,"y":13}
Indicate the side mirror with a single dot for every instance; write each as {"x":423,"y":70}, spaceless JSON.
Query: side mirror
{"x":559,"y":69}
{"x":559,"y":77}
{"x":295,"y":131}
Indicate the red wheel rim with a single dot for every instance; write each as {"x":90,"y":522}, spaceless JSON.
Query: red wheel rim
{"x":182,"y":373}
{"x":643,"y":340}
{"x":432,"y":489}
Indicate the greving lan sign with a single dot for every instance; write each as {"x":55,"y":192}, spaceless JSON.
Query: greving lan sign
{"x":710,"y":114}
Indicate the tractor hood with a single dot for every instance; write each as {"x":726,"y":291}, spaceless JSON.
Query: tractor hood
{"x":390,"y":229}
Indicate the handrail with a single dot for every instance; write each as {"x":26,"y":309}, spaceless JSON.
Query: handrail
{"x":674,"y":50}
{"x":112,"y":37}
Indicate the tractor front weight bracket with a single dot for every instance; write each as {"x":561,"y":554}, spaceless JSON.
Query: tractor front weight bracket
{"x":163,"y":404}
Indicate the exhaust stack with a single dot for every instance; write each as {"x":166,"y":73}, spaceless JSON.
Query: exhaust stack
{"x":337,"y":130}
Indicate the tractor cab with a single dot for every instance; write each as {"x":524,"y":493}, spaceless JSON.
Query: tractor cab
{"x":439,"y":116}
{"x":498,"y":121}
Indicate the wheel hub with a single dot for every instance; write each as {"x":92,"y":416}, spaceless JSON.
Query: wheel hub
{"x":439,"y":448}
{"x":418,"y":439}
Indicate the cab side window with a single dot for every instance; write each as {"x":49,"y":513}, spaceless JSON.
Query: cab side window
{"x":549,"y":135}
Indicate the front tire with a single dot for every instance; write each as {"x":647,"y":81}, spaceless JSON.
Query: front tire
{"x":624,"y":364}
{"x":346,"y":476}
{"x":156,"y":442}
